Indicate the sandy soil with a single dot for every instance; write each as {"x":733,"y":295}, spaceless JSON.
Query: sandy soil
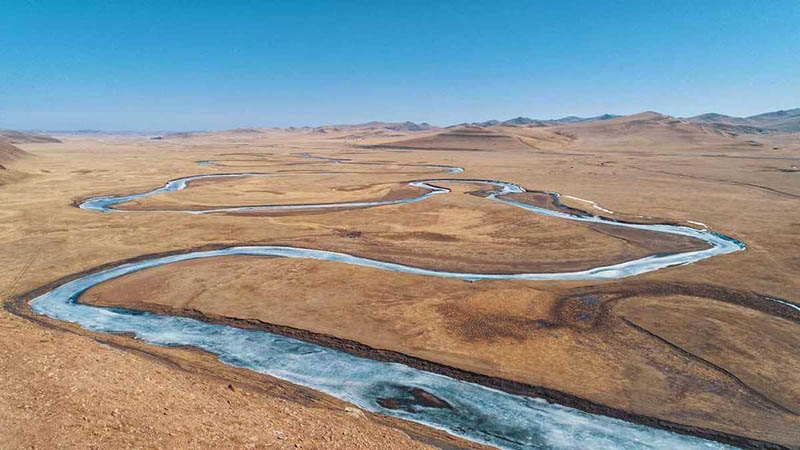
{"x":690,"y":359}
{"x":69,"y":391}
{"x":511,"y":330}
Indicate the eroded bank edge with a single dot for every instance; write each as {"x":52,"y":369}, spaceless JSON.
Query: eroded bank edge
{"x":19,"y":306}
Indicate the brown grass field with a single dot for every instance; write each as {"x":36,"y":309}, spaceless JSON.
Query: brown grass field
{"x":697,"y":345}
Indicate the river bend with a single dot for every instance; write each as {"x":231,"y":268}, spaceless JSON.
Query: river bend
{"x":478,"y":413}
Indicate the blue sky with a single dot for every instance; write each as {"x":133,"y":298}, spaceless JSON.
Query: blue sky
{"x":162,"y":65}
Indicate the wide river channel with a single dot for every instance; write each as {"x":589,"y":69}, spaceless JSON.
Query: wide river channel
{"x":478,"y":413}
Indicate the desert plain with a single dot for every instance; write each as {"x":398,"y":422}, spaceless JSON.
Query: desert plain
{"x":709,"y":348}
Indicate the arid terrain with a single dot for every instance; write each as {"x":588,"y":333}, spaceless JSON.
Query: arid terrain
{"x":702,"y":348}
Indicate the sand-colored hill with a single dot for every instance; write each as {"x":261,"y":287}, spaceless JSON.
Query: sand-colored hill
{"x":775,"y":122}
{"x":647,"y":131}
{"x":406,"y":126}
{"x":542,"y":138}
{"x":359,"y":131}
{"x":463,"y":139}
{"x":10,"y":152}
{"x":375,"y":130}
{"x":527,"y":121}
{"x":19,"y":137}
{"x":650,"y":131}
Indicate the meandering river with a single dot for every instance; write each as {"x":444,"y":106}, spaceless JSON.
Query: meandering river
{"x":477,"y":413}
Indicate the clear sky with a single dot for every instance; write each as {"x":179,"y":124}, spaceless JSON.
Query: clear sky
{"x":168,"y":65}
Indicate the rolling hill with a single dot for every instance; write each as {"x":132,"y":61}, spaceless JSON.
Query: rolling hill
{"x":784,"y":121}
{"x":19,"y":137}
{"x":10,"y":152}
{"x":468,"y":138}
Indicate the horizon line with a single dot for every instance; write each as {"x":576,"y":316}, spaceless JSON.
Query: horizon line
{"x":423,"y":122}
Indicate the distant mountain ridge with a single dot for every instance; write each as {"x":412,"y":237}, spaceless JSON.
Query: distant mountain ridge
{"x":782,"y":121}
{"x":771,"y":122}
{"x":395,"y":126}
{"x":787,"y":121}
{"x":527,"y":121}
